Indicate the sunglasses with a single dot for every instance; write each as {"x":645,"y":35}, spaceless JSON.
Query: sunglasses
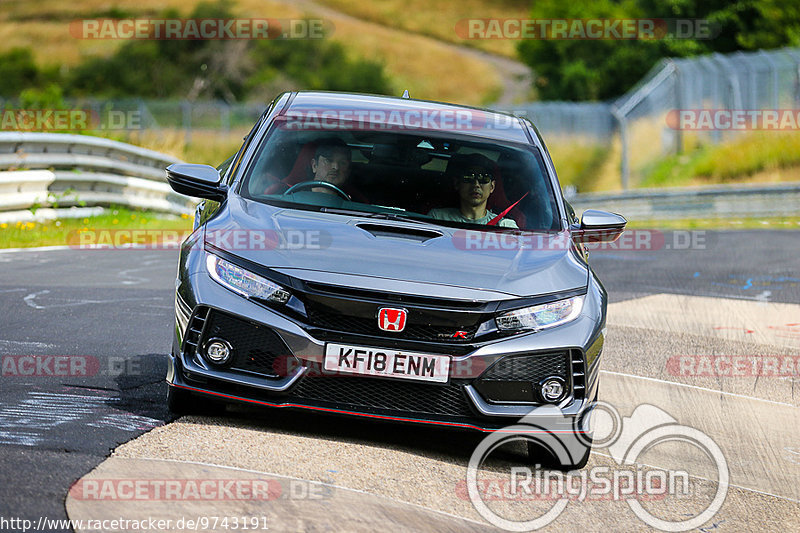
{"x":483,"y":179}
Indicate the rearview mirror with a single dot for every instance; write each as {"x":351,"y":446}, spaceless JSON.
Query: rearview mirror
{"x":200,"y":181}
{"x":599,"y":226}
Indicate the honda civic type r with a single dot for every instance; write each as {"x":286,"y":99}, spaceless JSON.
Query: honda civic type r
{"x":389,"y":258}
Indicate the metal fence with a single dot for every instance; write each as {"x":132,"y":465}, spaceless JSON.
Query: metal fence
{"x":717,"y":201}
{"x":735,"y":83}
{"x":645,"y":117}
{"x":639,"y":120}
{"x":51,"y":169}
{"x":592,"y":121}
{"x":126,"y":115}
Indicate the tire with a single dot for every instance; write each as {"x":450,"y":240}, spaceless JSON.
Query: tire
{"x":182,"y":402}
{"x":540,"y":455}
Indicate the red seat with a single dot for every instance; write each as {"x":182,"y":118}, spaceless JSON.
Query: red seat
{"x":301,"y":171}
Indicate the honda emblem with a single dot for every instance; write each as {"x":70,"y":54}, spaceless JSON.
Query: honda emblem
{"x":391,"y":319}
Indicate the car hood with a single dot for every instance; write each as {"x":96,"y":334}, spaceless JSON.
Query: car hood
{"x":341,"y":249}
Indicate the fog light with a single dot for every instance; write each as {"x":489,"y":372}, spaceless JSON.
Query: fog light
{"x":552,"y":389}
{"x":218,"y":351}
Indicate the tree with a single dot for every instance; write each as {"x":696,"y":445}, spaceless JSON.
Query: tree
{"x":572,"y":69}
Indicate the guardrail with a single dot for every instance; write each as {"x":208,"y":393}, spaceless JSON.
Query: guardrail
{"x":718,"y":201}
{"x":40,"y":169}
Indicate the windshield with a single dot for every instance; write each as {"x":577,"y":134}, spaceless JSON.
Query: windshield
{"x":438,"y":178}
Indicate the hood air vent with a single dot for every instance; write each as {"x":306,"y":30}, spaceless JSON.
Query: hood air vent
{"x":400,"y":232}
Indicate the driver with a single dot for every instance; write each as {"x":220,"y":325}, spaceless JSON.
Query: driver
{"x":331,"y":163}
{"x":474,"y":180}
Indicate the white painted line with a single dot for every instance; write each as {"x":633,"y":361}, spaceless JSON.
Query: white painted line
{"x":198,"y":463}
{"x":29,"y":299}
{"x":704,"y":389}
{"x":35,"y":249}
{"x":27,"y":343}
{"x":712,"y":480}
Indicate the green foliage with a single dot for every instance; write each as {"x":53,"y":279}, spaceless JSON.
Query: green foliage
{"x":18,"y":71}
{"x":51,"y":97}
{"x":318,"y":64}
{"x":577,"y":163}
{"x":137,"y":69}
{"x":229,"y":70}
{"x":573,"y":69}
{"x":732,"y":161}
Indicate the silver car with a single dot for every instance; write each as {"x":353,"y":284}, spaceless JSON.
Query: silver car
{"x":389,"y":258}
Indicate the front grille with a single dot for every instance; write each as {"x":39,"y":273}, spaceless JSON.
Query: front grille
{"x":513,"y":379}
{"x":256,"y":348}
{"x":382,"y":395}
{"x":194,"y":329}
{"x":529,"y":368}
{"x":578,"y":374}
{"x":330,"y":320}
{"x":353,"y":293}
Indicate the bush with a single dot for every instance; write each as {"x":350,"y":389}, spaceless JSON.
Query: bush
{"x":228,"y":70}
{"x":51,"y":97}
{"x":18,"y":71}
{"x":570,"y":69}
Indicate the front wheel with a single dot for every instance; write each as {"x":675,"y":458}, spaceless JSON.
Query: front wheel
{"x":576,"y":459}
{"x":182,"y":402}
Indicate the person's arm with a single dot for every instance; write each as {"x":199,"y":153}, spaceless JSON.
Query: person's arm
{"x":508,"y":223}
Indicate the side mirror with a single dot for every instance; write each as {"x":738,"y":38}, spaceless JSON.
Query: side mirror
{"x":200,"y":181}
{"x":599,"y":226}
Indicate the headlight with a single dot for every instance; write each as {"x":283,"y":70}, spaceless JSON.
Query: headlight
{"x":244,"y":282}
{"x":541,"y":316}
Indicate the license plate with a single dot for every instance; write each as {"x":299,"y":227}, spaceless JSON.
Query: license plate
{"x":388,"y":362}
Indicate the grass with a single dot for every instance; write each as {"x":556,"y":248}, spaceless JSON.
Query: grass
{"x":118,"y":221}
{"x":747,"y":158}
{"x":67,"y":231}
{"x":753,"y":157}
{"x":439,"y":19}
{"x":426,"y":67}
{"x":205,"y":147}
{"x":578,"y":162}
{"x":423,"y":65}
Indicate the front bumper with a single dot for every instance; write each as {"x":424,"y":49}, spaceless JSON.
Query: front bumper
{"x":293,"y":378}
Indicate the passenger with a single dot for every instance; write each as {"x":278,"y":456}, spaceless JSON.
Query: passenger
{"x":474,"y":181}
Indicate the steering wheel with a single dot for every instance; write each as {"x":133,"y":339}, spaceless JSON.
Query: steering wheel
{"x":311,"y":184}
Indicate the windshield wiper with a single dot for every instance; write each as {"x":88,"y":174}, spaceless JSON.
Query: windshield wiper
{"x":382,"y":216}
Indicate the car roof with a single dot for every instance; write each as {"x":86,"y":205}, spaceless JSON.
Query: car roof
{"x":389,"y":112}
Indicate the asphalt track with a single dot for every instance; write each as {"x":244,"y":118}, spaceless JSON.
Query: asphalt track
{"x":731,"y":294}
